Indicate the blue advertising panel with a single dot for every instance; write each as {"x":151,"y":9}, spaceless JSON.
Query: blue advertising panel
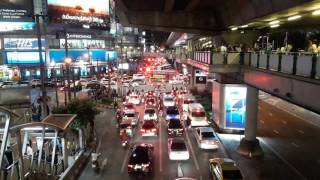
{"x":235,"y":107}
{"x":22,"y":43}
{"x":24,"y":57}
{"x":58,"y":55}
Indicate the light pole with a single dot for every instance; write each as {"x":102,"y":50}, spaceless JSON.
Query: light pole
{"x":42,"y":70}
{"x":68,"y":62}
{"x":53,"y":65}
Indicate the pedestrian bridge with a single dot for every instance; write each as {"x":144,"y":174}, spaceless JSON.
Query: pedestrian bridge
{"x":294,"y":77}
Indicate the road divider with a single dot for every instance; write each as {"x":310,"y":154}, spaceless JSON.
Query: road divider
{"x":195,"y":160}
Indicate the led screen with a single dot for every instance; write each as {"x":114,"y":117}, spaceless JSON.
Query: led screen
{"x":235,"y":107}
{"x":93,"y":14}
{"x":82,"y":55}
{"x":24,"y":57}
{"x":15,"y":10}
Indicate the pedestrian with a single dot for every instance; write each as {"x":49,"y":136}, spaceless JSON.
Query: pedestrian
{"x":115,"y":104}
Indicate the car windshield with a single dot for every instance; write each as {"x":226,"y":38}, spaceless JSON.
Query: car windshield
{"x":129,"y":106}
{"x":168,"y":99}
{"x":174,"y":124}
{"x":178,"y":146}
{"x":150,"y":111}
{"x":150,"y":101}
{"x":139,"y":156}
{"x":129,"y":114}
{"x":207,"y":134}
{"x":188,"y":101}
{"x":231,"y":174}
{"x":148,"y":125}
{"x":199,"y":114}
{"x":172,"y":111}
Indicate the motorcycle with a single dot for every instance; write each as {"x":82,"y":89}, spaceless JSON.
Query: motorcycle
{"x":125,"y":143}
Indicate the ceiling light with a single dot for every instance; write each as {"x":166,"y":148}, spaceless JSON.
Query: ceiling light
{"x":244,"y":26}
{"x":294,"y":17}
{"x":234,"y":28}
{"x":316,"y":12}
{"x":275,"y":25}
{"x":274,"y":22}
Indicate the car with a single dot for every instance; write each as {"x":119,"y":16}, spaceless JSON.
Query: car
{"x":150,"y":103}
{"x":206,"y":138}
{"x":186,"y":100}
{"x":137,"y":82}
{"x":128,"y":107}
{"x":138,"y":76}
{"x":172,"y":113}
{"x":177,"y":149}
{"x":149,"y":128}
{"x":175,"y":127}
{"x":196,"y":115}
{"x":141,"y":159}
{"x":150,"y":114}
{"x":134,"y":99}
{"x":168,"y":100}
{"x":150,"y":94}
{"x":35,"y":83}
{"x":131,"y":115}
{"x":93,"y":84}
{"x":224,"y":169}
{"x":83,"y":82}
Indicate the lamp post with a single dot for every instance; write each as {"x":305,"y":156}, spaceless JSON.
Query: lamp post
{"x":68,"y":62}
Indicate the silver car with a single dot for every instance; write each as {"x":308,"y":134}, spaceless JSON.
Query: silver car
{"x":206,"y":138}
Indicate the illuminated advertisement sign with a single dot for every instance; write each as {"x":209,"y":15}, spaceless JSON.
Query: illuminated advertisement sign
{"x":93,"y":14}
{"x":58,"y":55}
{"x":83,"y":44}
{"x":24,"y":57}
{"x":23,"y":43}
{"x":201,"y":79}
{"x":235,"y":107}
{"x":14,"y":15}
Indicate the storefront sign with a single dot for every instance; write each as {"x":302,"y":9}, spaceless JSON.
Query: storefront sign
{"x":201,"y":80}
{"x":78,"y":36}
{"x":24,"y":57}
{"x":23,"y":43}
{"x":83,"y":44}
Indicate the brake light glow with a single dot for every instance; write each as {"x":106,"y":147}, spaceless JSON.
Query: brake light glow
{"x":142,"y":130}
{"x":130,"y":166}
{"x":153,"y":129}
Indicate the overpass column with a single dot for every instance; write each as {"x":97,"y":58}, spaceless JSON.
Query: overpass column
{"x":249,"y":145}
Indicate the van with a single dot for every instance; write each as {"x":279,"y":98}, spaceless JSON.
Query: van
{"x":196,"y":115}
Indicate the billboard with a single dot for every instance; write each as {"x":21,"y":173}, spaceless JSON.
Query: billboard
{"x":58,"y":55}
{"x":23,"y":43}
{"x":235,"y":107}
{"x":201,"y":79}
{"x":90,"y":14}
{"x":14,"y":15}
{"x":31,"y":57}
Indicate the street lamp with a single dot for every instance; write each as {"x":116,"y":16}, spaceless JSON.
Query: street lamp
{"x":68,"y":62}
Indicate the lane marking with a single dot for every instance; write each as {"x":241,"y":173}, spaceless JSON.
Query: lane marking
{"x":294,"y":144}
{"x":160,"y":145}
{"x":283,"y":159}
{"x":262,"y":121}
{"x":275,"y":131}
{"x":180,"y":172}
{"x":195,"y":161}
{"x":300,"y":131}
{"x":125,"y":161}
{"x":284,"y":122}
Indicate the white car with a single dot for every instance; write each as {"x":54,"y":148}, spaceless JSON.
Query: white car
{"x":168,"y":100}
{"x":138,"y":76}
{"x":206,"y":138}
{"x":177,"y":149}
{"x":132,"y":116}
{"x":150,"y":114}
{"x":137,"y":82}
{"x":134,"y":99}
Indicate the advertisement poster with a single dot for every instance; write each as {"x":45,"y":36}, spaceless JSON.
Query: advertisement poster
{"x":23,"y":43}
{"x":235,"y":107}
{"x":90,"y":14}
{"x":24,"y":57}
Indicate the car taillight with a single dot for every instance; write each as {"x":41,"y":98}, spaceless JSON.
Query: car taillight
{"x":153,"y":129}
{"x":130,"y":166}
{"x":142,"y":130}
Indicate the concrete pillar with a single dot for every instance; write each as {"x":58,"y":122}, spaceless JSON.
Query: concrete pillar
{"x":249,"y":145}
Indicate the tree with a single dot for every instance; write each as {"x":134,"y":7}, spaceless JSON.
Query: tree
{"x":85,"y":110}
